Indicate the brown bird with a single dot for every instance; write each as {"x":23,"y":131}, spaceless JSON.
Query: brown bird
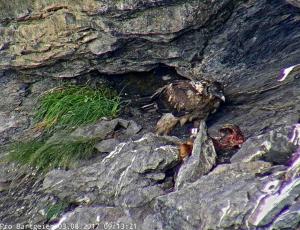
{"x":185,"y":101}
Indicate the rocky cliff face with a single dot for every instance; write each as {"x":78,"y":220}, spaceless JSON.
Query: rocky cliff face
{"x":242,"y":44}
{"x":66,"y":39}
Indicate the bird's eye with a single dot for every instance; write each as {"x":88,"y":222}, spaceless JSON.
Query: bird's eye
{"x":207,"y":91}
{"x":210,"y":89}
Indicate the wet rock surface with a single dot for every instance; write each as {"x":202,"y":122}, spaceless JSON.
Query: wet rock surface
{"x":137,"y":177}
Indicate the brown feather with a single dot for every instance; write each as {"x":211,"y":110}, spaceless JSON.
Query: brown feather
{"x":186,"y":101}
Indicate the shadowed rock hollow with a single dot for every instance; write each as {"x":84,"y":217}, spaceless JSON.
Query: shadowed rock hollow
{"x":242,"y":44}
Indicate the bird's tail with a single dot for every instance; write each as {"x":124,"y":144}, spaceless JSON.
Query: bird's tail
{"x":137,"y":101}
{"x":148,"y":107}
{"x":158,"y":92}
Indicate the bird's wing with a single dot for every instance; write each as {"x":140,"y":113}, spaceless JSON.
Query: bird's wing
{"x":158,"y":92}
{"x":180,"y":98}
{"x":183,"y":97}
{"x":182,"y":85}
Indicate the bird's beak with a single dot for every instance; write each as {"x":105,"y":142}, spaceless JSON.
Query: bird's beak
{"x":218,"y":94}
{"x":223,"y":98}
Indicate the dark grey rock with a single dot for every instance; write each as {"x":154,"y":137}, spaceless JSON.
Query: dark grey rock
{"x":277,"y":202}
{"x":201,"y":161}
{"x":97,"y":217}
{"x":245,"y":54}
{"x":294,"y":2}
{"x":152,"y":222}
{"x":100,"y":130}
{"x":132,"y":175}
{"x":111,"y":36}
{"x":132,"y":129}
{"x":4,"y":185}
{"x":289,"y":219}
{"x":21,"y":201}
{"x":106,"y":146}
{"x":19,"y":95}
{"x":273,"y":147}
{"x":219,"y":200}
{"x":107,"y":128}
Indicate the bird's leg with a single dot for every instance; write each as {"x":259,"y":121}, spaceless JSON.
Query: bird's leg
{"x":186,"y":118}
{"x":196,"y":123}
{"x":166,"y":123}
{"x":183,"y":120}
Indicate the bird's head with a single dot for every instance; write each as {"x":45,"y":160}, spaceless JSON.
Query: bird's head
{"x":215,"y":89}
{"x":212,"y":89}
{"x":199,"y":86}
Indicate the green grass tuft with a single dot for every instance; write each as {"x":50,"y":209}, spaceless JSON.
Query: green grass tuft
{"x":65,"y":108}
{"x":22,"y":151}
{"x":56,"y":210}
{"x":52,"y":154}
{"x":74,"y":106}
